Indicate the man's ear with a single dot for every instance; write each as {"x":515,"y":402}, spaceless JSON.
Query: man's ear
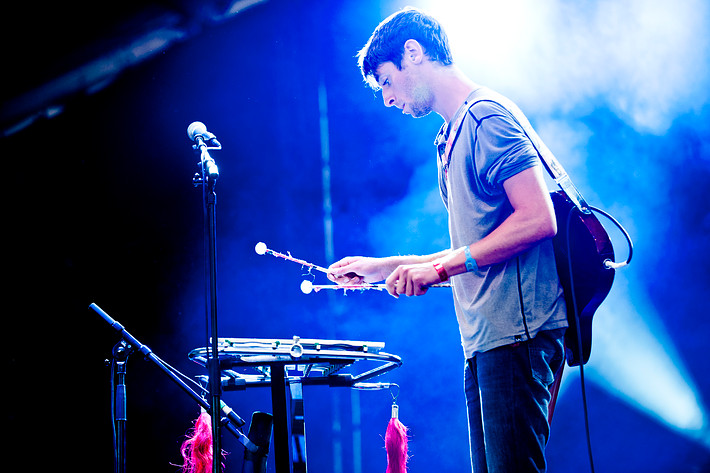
{"x":413,"y":51}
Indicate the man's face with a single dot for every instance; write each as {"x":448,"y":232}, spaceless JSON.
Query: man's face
{"x":404,"y":89}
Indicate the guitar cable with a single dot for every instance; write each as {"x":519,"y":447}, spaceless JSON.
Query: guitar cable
{"x":579,"y":340}
{"x":612,"y":264}
{"x":609,"y":265}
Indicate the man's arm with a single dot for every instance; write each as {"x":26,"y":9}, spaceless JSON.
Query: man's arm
{"x":359,"y":269}
{"x":533,"y":220}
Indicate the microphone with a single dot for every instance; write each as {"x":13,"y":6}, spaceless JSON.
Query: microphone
{"x":260,"y":431}
{"x":231,"y":415}
{"x":197,"y":132}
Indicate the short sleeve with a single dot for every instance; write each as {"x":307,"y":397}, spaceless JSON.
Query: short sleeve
{"x":502,"y":149}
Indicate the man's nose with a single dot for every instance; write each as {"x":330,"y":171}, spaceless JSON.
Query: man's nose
{"x":388,"y":99}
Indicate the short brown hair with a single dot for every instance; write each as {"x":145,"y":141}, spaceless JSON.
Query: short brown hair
{"x":386,"y":44}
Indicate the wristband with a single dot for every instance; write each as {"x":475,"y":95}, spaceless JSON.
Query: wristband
{"x":441,"y":272}
{"x":471,"y":264}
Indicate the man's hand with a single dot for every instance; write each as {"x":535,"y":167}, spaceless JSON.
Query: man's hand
{"x":410,"y":275}
{"x":412,"y":279}
{"x":359,"y":269}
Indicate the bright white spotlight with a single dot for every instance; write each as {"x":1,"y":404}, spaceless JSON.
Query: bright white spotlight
{"x":635,"y":360}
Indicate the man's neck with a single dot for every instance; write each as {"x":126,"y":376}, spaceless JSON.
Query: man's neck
{"x":451,"y":89}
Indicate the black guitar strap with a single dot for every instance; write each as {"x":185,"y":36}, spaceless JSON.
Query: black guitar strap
{"x":553,"y":167}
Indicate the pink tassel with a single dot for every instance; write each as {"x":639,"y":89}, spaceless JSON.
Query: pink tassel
{"x":197,"y":449}
{"x":396,"y":444}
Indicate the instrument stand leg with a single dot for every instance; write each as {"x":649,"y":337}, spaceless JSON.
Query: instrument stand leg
{"x":281,"y":403}
{"x":289,"y":422}
{"x":298,"y":427}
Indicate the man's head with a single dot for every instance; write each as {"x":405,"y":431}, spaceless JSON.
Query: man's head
{"x":387,"y":42}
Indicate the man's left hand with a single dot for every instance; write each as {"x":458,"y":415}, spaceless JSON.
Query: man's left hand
{"x":412,"y":279}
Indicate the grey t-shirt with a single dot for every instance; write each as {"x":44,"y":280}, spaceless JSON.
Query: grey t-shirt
{"x":511,"y":301}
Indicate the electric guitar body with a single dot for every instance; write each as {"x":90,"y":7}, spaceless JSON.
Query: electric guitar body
{"x":590,"y":280}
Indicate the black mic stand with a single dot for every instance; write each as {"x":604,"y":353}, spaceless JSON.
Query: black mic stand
{"x":207,"y":178}
{"x":120,"y":354}
{"x":133,"y":344}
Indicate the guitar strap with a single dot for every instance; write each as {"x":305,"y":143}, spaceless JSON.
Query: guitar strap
{"x":553,"y":167}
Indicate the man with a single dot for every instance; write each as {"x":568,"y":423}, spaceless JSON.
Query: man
{"x":507,"y":296}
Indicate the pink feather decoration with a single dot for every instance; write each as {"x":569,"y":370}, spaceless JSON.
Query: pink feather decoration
{"x":197,"y":449}
{"x":396,"y":444}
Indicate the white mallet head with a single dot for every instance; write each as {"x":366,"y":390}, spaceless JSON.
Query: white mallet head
{"x":260,"y":248}
{"x":306,"y":287}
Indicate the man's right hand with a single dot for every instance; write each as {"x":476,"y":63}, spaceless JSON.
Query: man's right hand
{"x":360,"y":269}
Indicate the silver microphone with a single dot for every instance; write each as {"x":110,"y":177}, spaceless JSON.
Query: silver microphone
{"x":197,"y":132}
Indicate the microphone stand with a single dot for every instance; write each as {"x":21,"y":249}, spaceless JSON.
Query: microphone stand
{"x":133,"y":344}
{"x":120,"y":354}
{"x":207,"y":178}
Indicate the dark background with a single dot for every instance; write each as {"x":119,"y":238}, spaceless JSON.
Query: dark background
{"x":99,"y":206}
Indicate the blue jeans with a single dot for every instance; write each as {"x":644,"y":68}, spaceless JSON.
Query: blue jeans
{"x":507,"y":397}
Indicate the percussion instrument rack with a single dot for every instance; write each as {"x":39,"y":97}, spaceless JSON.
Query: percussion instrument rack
{"x":286,"y":366}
